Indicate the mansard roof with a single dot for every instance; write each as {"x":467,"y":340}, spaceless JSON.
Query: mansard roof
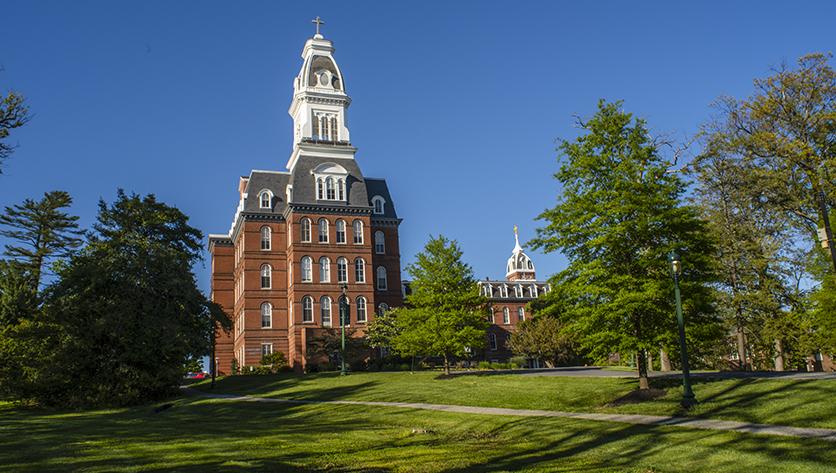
{"x":304,"y":184}
{"x":273,"y":181}
{"x":376,"y":186}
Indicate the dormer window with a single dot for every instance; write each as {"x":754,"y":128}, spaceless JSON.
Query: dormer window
{"x":330,"y":182}
{"x":264,"y":198}
{"x":378,"y":202}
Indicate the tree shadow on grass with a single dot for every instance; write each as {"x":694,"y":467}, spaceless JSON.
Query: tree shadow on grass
{"x":800,"y":402}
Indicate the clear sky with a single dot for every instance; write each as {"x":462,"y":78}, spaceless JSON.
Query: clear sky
{"x":456,"y":104}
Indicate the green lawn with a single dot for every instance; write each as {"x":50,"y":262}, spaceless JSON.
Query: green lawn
{"x":212,"y":435}
{"x":802,"y":403}
{"x":199,"y":434}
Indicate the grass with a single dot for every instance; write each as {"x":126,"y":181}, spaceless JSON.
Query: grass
{"x":199,"y":435}
{"x":801,"y":403}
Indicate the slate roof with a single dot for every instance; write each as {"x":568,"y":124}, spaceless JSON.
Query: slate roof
{"x":375,"y":186}
{"x":360,"y":189}
{"x":274,"y":181}
{"x":304,"y":187}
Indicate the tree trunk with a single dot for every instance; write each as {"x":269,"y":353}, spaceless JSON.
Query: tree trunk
{"x":779,"y":355}
{"x":446,"y":364}
{"x":828,"y":232}
{"x":642,"y":365}
{"x":665,"y":360}
{"x":649,"y":361}
{"x":741,"y":349}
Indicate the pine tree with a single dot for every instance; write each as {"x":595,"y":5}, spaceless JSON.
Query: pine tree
{"x":13,"y":114}
{"x":40,"y":231}
{"x":619,"y":215}
{"x":444,"y":315}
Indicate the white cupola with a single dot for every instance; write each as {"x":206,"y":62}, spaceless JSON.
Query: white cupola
{"x":319,"y":101}
{"x":519,"y":266}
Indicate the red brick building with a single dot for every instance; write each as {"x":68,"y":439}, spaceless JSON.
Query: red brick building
{"x":509,"y":300}
{"x":298,"y":236}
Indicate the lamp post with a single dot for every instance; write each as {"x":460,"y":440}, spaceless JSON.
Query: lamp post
{"x":688,"y":398}
{"x":343,"y":318}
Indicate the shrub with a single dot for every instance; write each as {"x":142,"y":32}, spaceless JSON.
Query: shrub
{"x":484,"y":365}
{"x":519,"y":361}
{"x":274,"y":362}
{"x":496,"y":366}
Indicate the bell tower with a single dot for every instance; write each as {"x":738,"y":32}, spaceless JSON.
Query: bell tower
{"x":320,"y":103}
{"x":519,"y":267}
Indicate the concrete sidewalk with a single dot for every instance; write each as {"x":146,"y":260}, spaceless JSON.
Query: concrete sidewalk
{"x":599,"y":372}
{"x":693,"y":423}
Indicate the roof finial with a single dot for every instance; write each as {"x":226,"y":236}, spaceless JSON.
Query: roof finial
{"x":318,"y":21}
{"x":517,"y":246}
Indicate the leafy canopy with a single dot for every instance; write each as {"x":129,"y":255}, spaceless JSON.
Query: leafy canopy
{"x":619,"y":215}
{"x":444,"y":315}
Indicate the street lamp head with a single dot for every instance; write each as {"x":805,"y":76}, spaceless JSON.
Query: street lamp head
{"x":676,"y":264}
{"x":344,"y":287}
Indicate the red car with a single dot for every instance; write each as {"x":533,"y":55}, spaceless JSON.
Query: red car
{"x":200,"y":375}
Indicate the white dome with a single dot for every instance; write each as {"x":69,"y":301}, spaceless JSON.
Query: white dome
{"x":519,"y":262}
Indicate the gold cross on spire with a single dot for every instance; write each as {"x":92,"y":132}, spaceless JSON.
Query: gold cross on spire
{"x":516,"y":231}
{"x":318,"y":21}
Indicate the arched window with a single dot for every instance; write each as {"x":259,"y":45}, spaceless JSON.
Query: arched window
{"x":330,"y":189}
{"x":342,"y":270}
{"x":361,"y":309}
{"x":357,"y":226}
{"x":340,"y":231}
{"x":333,"y":128}
{"x":492,"y":341}
{"x":379,"y":242}
{"x":341,"y":189}
{"x":306,"y":230}
{"x":520,"y":314}
{"x":324,"y":269}
{"x":264,"y":199}
{"x":307,"y":309}
{"x":506,"y":316}
{"x":359,"y":270}
{"x":315,"y":127}
{"x":320,"y":189}
{"x":323,"y":230}
{"x":307,"y":270}
{"x":265,"y":238}
{"x":378,"y":203}
{"x":518,"y":291}
{"x":266,"y":315}
{"x":325,"y":310}
{"x":382,"y":283}
{"x":534,"y":291}
{"x":382,"y":308}
{"x":266,"y":273}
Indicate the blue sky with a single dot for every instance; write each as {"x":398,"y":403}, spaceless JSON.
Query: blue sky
{"x":457,"y":104}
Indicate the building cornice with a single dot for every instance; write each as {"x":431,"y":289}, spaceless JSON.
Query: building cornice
{"x":325,"y":209}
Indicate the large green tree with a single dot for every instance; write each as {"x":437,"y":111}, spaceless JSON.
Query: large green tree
{"x":786,"y":133}
{"x":128,"y":307}
{"x":40,"y":231}
{"x":445,"y":315}
{"x":751,"y":254}
{"x":619,"y":215}
{"x":783,"y":139}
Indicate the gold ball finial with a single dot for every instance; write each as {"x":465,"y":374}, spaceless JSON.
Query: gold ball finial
{"x":516,"y":230}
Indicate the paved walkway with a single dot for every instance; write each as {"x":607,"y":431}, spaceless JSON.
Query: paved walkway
{"x":598,"y":372}
{"x":693,"y":423}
